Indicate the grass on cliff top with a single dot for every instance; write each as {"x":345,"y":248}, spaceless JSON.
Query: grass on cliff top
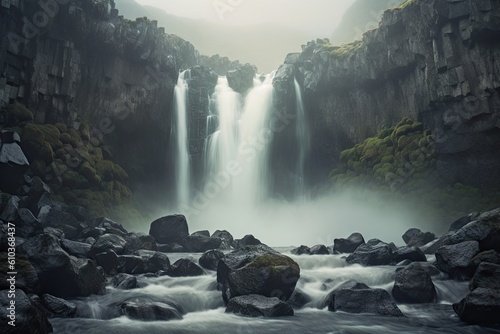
{"x":344,"y":50}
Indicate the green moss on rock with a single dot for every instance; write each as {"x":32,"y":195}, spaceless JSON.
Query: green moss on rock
{"x":18,"y":113}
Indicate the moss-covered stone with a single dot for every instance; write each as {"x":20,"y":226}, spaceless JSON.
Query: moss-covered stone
{"x":17,"y":113}
{"x":73,"y":180}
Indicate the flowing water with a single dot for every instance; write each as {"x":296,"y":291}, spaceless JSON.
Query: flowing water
{"x":303,"y":141}
{"x":182,"y":165}
{"x":204,"y":310}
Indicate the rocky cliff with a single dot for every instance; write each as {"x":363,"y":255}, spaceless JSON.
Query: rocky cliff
{"x":73,"y":61}
{"x":437,"y":61}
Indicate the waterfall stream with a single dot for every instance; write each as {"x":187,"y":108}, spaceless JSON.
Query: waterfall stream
{"x":303,"y":141}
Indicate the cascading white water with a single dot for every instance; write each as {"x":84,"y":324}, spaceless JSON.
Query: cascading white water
{"x":302,"y":135}
{"x":242,"y":138}
{"x":182,"y":165}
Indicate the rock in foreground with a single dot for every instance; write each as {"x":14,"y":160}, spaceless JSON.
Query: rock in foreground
{"x":257,"y":306}
{"x":376,"y":301}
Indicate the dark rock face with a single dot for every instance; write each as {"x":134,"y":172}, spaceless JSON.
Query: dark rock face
{"x":258,"y":306}
{"x":210,"y":259}
{"x":108,"y":261}
{"x":247,"y":240}
{"x":58,"y":307}
{"x":372,"y":253}
{"x":408,"y":235}
{"x":169,"y":229}
{"x":185,"y":267}
{"x":376,"y":301}
{"x":154,"y":261}
{"x":29,"y":318}
{"x":26,"y":279}
{"x":481,"y":307}
{"x":348,"y":245}
{"x":200,"y":243}
{"x":414,"y":285}
{"x":63,"y":221}
{"x":106,"y":243}
{"x":349,"y":86}
{"x":301,"y":250}
{"x":75,"y":248}
{"x":319,"y":250}
{"x":421,"y":238}
{"x":487,"y":276}
{"x":298,"y":299}
{"x":131,"y":264}
{"x":137,"y":242}
{"x":329,"y":300}
{"x":105,"y":68}
{"x":241,"y":79}
{"x":60,"y":274}
{"x":456,"y":259}
{"x":150,"y":311}
{"x":485,"y":230}
{"x":124,"y":281}
{"x":204,"y":233}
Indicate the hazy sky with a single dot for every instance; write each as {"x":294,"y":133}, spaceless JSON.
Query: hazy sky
{"x":318,"y":16}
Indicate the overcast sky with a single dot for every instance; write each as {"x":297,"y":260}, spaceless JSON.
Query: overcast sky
{"x":317,"y":16}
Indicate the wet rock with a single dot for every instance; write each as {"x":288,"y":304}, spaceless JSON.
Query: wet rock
{"x":28,"y":317}
{"x":227,"y":239}
{"x":210,"y":259}
{"x":63,"y":221}
{"x":154,"y":261}
{"x":298,"y":299}
{"x":10,"y":212}
{"x":456,"y":259}
{"x":481,"y":307}
{"x":241,"y":79}
{"x":485,"y":230}
{"x":486,"y":276}
{"x":124,"y":281}
{"x":59,"y":273}
{"x":29,"y":224}
{"x":247,"y":240}
{"x":372,"y":253}
{"x":413,"y":254}
{"x":169,"y":229}
{"x":413,"y":284}
{"x":204,"y":233}
{"x":75,"y":248}
{"x":26,"y":278}
{"x":106,"y":243}
{"x":329,"y":300}
{"x":150,"y":311}
{"x":433,"y":246}
{"x":490,"y":256}
{"x":258,"y":306}
{"x":319,"y":250}
{"x":131,"y":264}
{"x":409,"y":234}
{"x":461,"y":222}
{"x":185,"y":267}
{"x":109,"y":226}
{"x":58,"y":307}
{"x":137,"y":241}
{"x":55,"y":232}
{"x":376,"y":301}
{"x":200,"y":243}
{"x":108,"y":261}
{"x":301,"y":250}
{"x":421,"y":239}
{"x":348,"y":245}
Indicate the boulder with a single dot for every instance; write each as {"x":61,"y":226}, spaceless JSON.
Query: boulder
{"x":241,"y":79}
{"x":481,"y":307}
{"x":109,"y":226}
{"x":413,"y":254}
{"x":348,"y":245}
{"x":376,"y":301}
{"x":434,"y":245}
{"x":247,"y":240}
{"x":108,"y":261}
{"x":319,"y":250}
{"x":26,"y":278}
{"x":258,"y":306}
{"x":462,"y":221}
{"x":124,"y":281}
{"x":10,"y":212}
{"x":154,"y":261}
{"x":409,"y":234}
{"x":298,"y":299}
{"x":204,"y":233}
{"x":64,"y":221}
{"x":456,"y":259}
{"x":413,"y":284}
{"x":58,"y":307}
{"x":372,"y":253}
{"x":301,"y":250}
{"x":137,"y":241}
{"x":485,"y":230}
{"x":29,"y":224}
{"x":329,"y":300}
{"x":131,"y":264}
{"x":185,"y":267}
{"x":200,"y":243}
{"x":106,"y":243}
{"x":170,"y":248}
{"x":59,"y":273}
{"x":227,"y":239}
{"x":169,"y":229}
{"x":421,"y":239}
{"x":210,"y":259}
{"x":269,"y":275}
{"x":490,"y":256}
{"x":28,"y":317}
{"x":75,"y":248}
{"x":486,"y":276}
{"x":150,"y":311}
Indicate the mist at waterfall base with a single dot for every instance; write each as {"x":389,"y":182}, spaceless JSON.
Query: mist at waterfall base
{"x":235,"y":195}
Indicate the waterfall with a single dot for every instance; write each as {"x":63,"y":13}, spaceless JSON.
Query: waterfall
{"x":302,"y":134}
{"x":241,"y":138}
{"x":182,"y":165}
